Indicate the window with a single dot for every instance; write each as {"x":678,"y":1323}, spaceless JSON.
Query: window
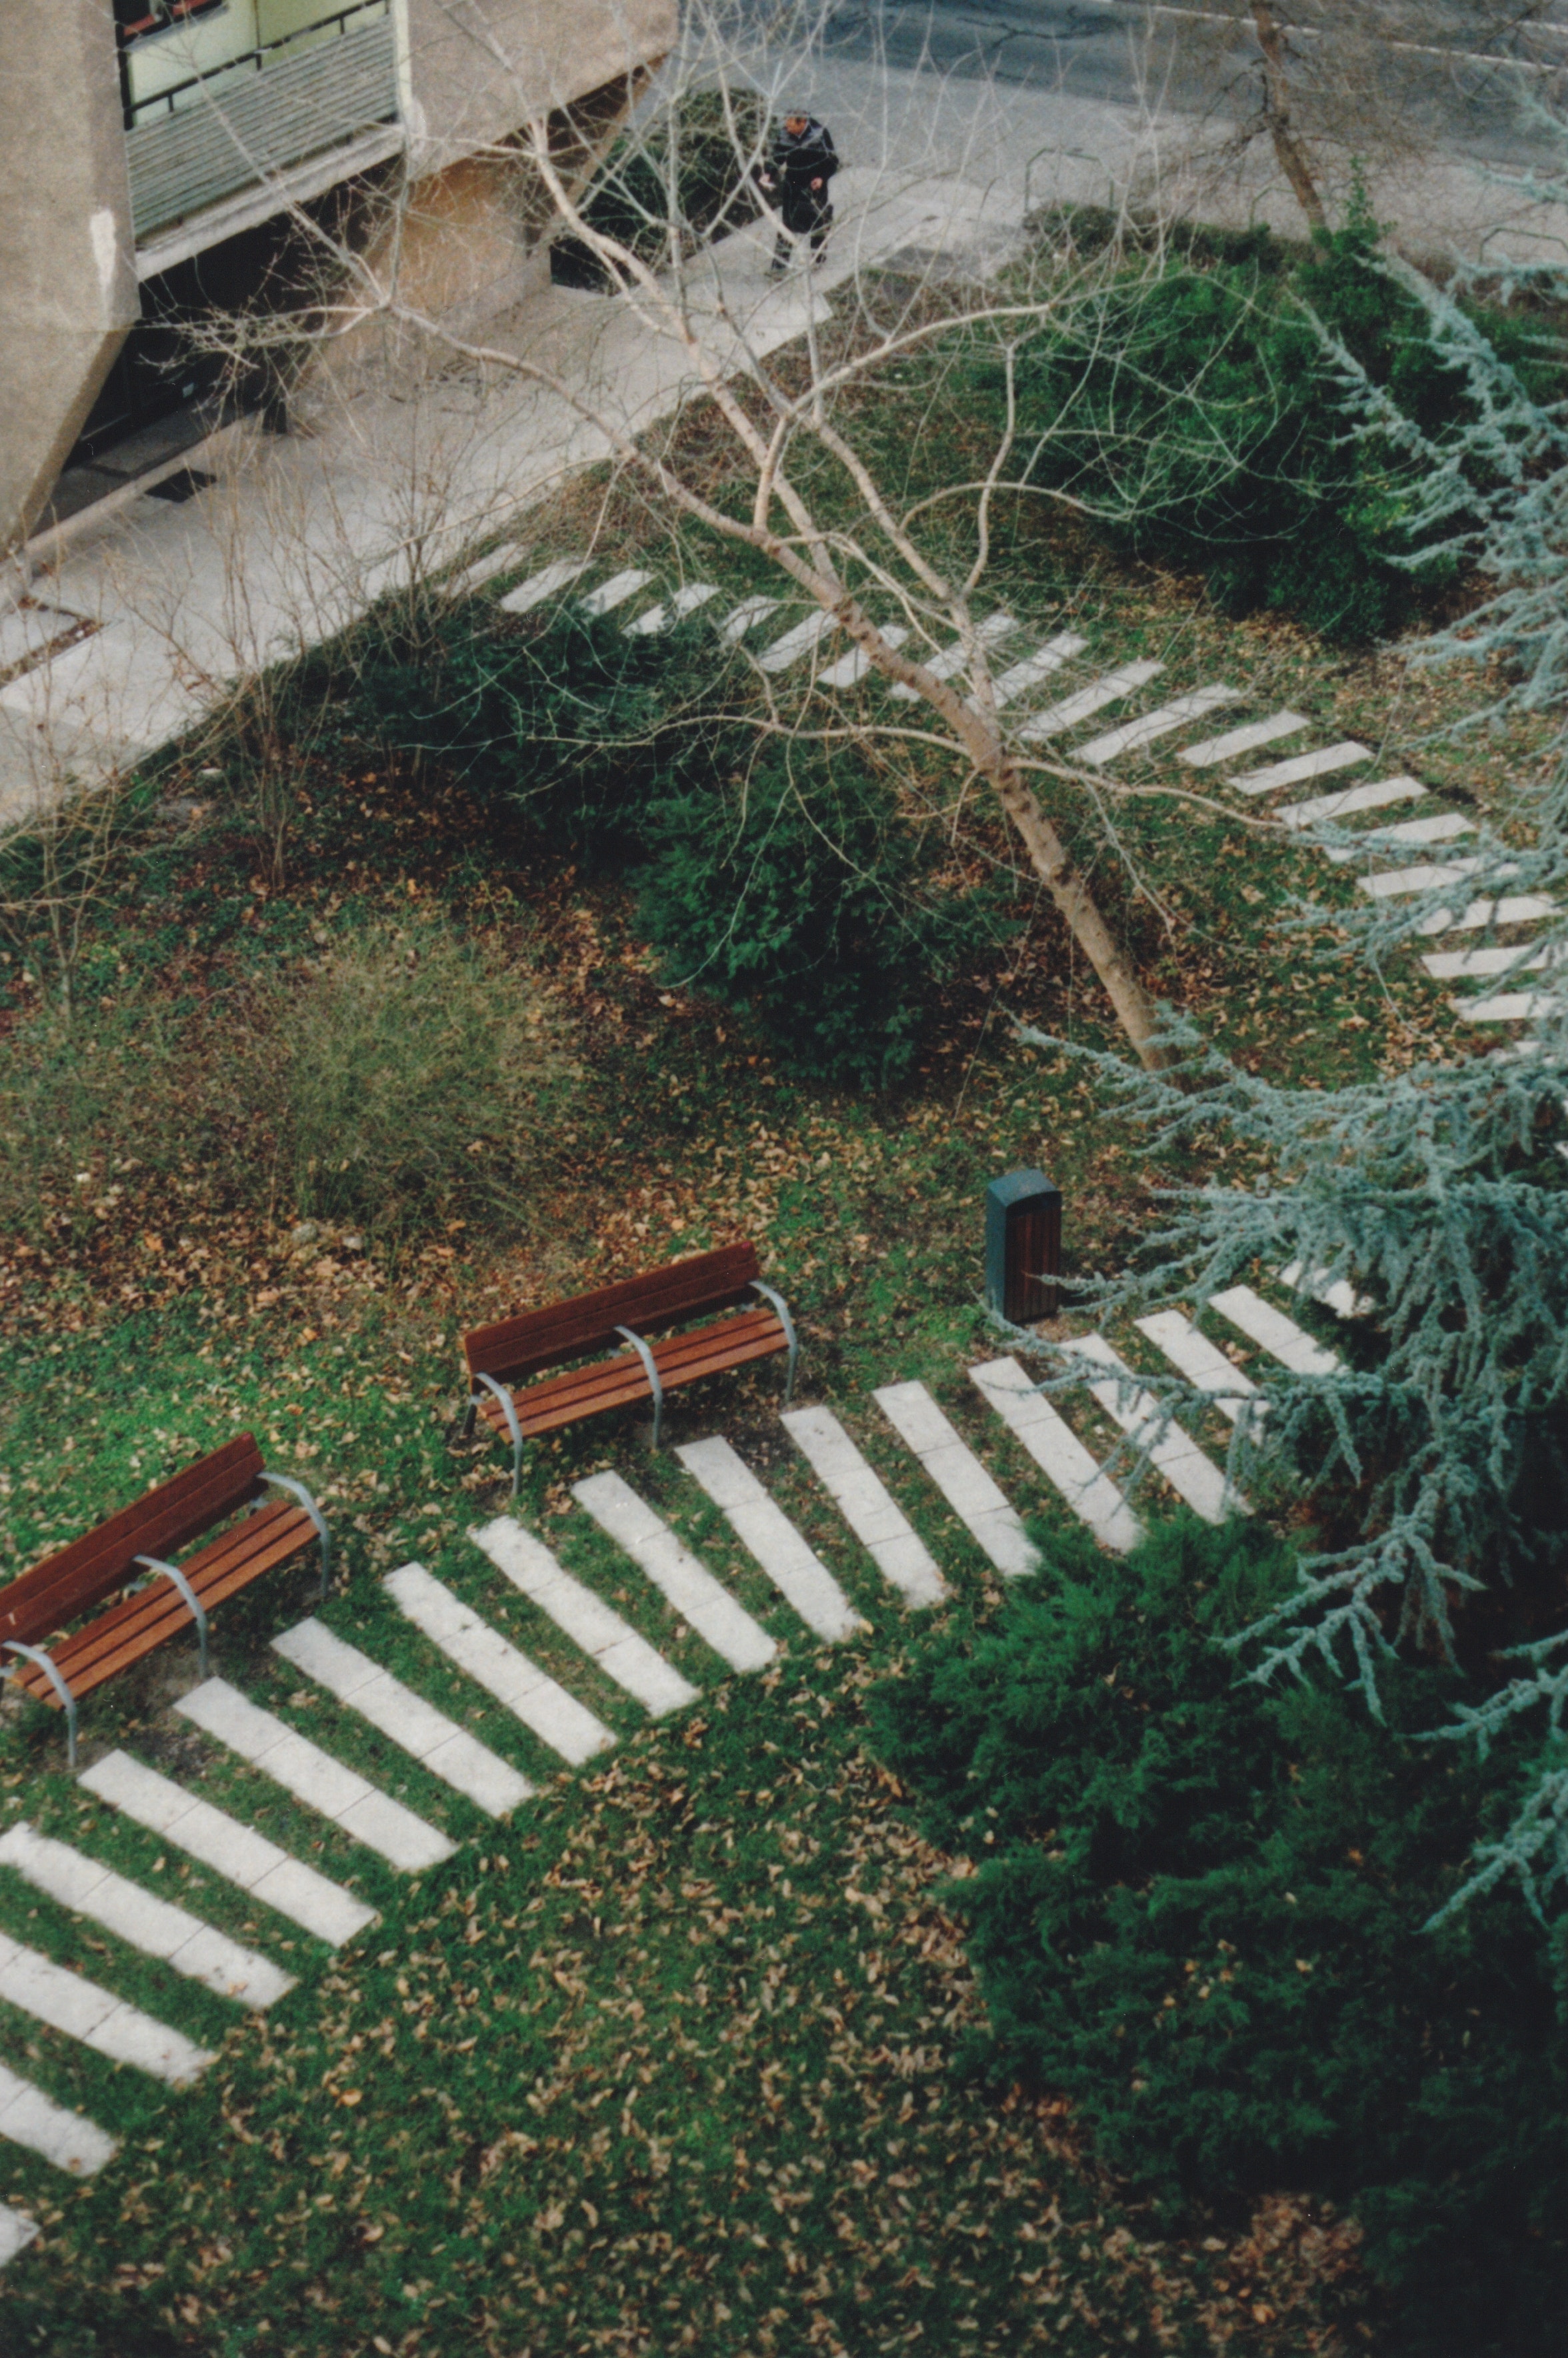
{"x":135,"y":19}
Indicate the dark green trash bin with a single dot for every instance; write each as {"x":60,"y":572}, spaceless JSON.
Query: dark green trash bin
{"x":1023,"y":1246}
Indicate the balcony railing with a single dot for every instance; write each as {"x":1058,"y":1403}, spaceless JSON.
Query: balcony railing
{"x":216,"y":133}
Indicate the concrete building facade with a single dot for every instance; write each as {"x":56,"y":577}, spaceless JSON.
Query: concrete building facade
{"x":145,"y":141}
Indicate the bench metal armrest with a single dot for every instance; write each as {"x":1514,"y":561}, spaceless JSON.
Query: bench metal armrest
{"x":509,"y":1411}
{"x":651,"y":1369}
{"x":198,"y":1610}
{"x":777,"y":1301}
{"x":297,"y":1490}
{"x":36,"y":1654}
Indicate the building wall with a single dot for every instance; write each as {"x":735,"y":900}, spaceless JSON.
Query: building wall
{"x":478,"y":68}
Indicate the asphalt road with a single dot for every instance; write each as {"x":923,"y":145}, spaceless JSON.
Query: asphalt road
{"x":1123,"y":51}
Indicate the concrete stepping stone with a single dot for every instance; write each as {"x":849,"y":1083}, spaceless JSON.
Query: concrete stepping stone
{"x":1274,"y":1332}
{"x":556,"y":1718}
{"x":462,"y":584}
{"x":797,"y":643}
{"x":31,"y":2119}
{"x":1191,"y":1475}
{"x":1323,"y":807}
{"x":426,"y":1734}
{"x":1202,"y":1362}
{"x":540,"y":585}
{"x":315,"y":1778}
{"x":746,"y":616}
{"x":1428,"y":876}
{"x":1378,"y":840}
{"x":850,"y":669}
{"x":1061,"y":1457}
{"x":1162,"y":721}
{"x":1302,"y":766}
{"x":1236,"y":741}
{"x":235,"y":1851}
{"x":615,"y":591}
{"x":1517,"y":909}
{"x":979,"y":1503}
{"x":16,"y":2232}
{"x":763,"y":1528}
{"x":880,"y":1525}
{"x":1450,"y":965}
{"x":659,"y":618}
{"x":1109,"y":689}
{"x":687,"y":1585}
{"x":155,"y":1926}
{"x":952,"y":659}
{"x":68,"y":2002}
{"x":1335,"y":1293}
{"x":581,"y":1614}
{"x":1506,"y":1007}
{"x":1021,"y":676}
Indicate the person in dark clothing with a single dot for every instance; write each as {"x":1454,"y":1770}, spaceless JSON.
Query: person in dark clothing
{"x":795,"y":182}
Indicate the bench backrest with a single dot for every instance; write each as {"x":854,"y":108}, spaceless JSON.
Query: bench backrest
{"x":58,"y":1591}
{"x":584,"y":1326}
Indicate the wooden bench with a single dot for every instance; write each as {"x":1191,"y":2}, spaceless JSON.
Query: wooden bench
{"x":37,"y":1605}
{"x":503,"y":1356}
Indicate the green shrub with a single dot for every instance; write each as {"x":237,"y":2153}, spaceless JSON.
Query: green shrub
{"x":631,"y":197}
{"x":792,"y":884}
{"x":1197,"y":1909}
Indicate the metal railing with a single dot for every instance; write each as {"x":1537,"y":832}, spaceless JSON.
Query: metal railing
{"x":247,"y":62}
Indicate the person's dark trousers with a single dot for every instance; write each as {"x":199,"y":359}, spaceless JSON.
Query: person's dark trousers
{"x":804,"y":215}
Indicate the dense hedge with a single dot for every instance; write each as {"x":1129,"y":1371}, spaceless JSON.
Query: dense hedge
{"x":1197,"y":1910}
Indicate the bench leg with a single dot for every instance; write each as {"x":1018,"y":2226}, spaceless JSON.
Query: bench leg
{"x":197,"y":1613}
{"x":34,"y":1654}
{"x":509,"y":1411}
{"x":651,"y":1369}
{"x":778,"y":1302}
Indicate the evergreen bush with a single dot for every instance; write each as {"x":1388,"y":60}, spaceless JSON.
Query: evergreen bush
{"x":1197,"y":1908}
{"x":666,"y":188}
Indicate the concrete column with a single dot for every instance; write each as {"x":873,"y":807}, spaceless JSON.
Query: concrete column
{"x":68,"y":280}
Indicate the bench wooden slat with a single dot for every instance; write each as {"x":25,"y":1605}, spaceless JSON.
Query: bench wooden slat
{"x":698,"y":1286}
{"x":621,"y":1382}
{"x":69,"y":1583}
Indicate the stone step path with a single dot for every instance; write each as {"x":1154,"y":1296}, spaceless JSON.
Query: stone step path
{"x":471,"y":577}
{"x":978,"y":1502}
{"x":1202,"y":1362}
{"x":746,"y":616}
{"x":796,"y":643}
{"x":556,"y":1718}
{"x":1426,"y":876}
{"x":1019,"y":677}
{"x":155,"y":1926}
{"x":1447,"y":966}
{"x":233,"y":1850}
{"x":615,"y":591}
{"x":426,"y":1734}
{"x":581,"y":1614}
{"x":765,"y":1531}
{"x":850,"y":669}
{"x":1245,"y":739}
{"x":315,"y":1778}
{"x":1323,"y":810}
{"x":952,"y":659}
{"x":68,"y":2139}
{"x":69,"y":2003}
{"x":1506,"y":1007}
{"x":670,"y":611}
{"x":1335,"y":1293}
{"x":1516,"y":909}
{"x":1192,"y":1476}
{"x":16,"y":2232}
{"x":1162,"y":721}
{"x":546,"y":584}
{"x":687,"y":1585}
{"x":1300,"y":767}
{"x":1274,"y":1332}
{"x":1061,"y":1457}
{"x":1377,"y":840}
{"x":880,"y":1525}
{"x":1109,"y":689}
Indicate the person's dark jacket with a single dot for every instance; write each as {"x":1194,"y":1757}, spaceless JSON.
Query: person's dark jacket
{"x":793,"y":165}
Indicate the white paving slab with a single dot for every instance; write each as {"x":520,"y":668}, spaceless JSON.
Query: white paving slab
{"x":436,"y":1742}
{"x":797,"y":643}
{"x":315,"y":1778}
{"x":1162,"y":721}
{"x":1428,"y":876}
{"x":851,"y":668}
{"x":1376,"y":797}
{"x":1441,"y":827}
{"x":1302,"y":766}
{"x":235,"y":1851}
{"x":1514,"y":909}
{"x":155,"y":1926}
{"x":615,"y":591}
{"x":979,"y":1503}
{"x":1202,"y":1362}
{"x":1236,"y":741}
{"x":462,"y":584}
{"x":531,"y":1695}
{"x":1059,"y":1453}
{"x":659,"y":618}
{"x":540,"y":585}
{"x":1109,"y":689}
{"x":1506,"y":1007}
{"x":1335,"y":1293}
{"x":880,"y":1525}
{"x":1019,"y":677}
{"x":1450,"y":965}
{"x":1191,"y":1473}
{"x":16,"y":2232}
{"x":952,"y":659}
{"x":71,"y":2003}
{"x":582,"y":1615}
{"x":31,"y":2119}
{"x":1278,"y":1335}
{"x":746,"y":616}
{"x":763,"y":1528}
{"x":685,"y":1584}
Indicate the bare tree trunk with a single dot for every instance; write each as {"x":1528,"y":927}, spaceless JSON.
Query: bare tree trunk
{"x":1277,"y":115}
